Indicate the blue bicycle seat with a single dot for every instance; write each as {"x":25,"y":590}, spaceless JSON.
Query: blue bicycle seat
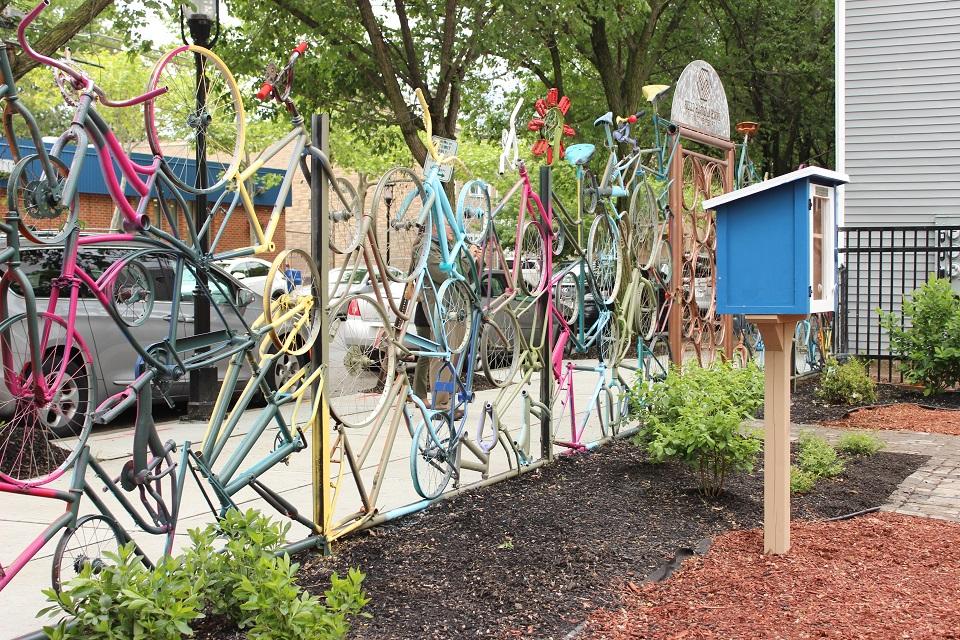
{"x":579,"y":154}
{"x":606,"y":118}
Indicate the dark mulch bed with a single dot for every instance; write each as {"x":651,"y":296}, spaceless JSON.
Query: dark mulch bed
{"x":882,"y":576}
{"x":532,"y":556}
{"x":33,"y":455}
{"x":806,"y":408}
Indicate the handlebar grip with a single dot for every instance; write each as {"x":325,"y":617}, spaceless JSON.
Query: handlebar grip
{"x":264,"y":91}
{"x":301,"y":47}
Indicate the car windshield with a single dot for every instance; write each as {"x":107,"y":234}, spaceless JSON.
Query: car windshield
{"x":188,"y":283}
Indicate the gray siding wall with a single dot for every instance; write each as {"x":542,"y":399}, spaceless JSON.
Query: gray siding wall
{"x":902,"y":111}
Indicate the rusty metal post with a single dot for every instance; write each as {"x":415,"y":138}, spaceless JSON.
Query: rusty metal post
{"x":727,"y":319}
{"x":674,"y":328}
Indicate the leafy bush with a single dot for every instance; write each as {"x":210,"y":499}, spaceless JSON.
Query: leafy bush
{"x":860,"y":444}
{"x":801,"y":481}
{"x":817,"y":457}
{"x":930,"y":348}
{"x":246,"y":580}
{"x":847,"y":383}
{"x":696,"y":418}
{"x":127,"y":600}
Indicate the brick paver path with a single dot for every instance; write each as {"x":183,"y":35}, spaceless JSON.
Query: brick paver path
{"x":934,"y":489}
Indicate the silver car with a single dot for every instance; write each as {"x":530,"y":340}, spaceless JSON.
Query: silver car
{"x":114,"y":359}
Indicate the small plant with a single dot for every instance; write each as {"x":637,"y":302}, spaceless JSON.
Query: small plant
{"x":860,"y":444}
{"x":930,"y":347}
{"x":696,"y":418}
{"x":801,"y":481}
{"x":817,"y":457}
{"x":125,"y":600}
{"x":847,"y":383}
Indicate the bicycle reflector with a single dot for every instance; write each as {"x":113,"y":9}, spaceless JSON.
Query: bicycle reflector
{"x":353,"y":309}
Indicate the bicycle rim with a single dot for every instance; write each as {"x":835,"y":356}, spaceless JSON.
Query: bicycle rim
{"x":532,"y":269}
{"x":473,"y":210}
{"x":603,"y":256}
{"x":406,"y":229}
{"x":500,"y":348}
{"x":294,"y":317}
{"x":360,"y":375}
{"x":431,"y":453}
{"x":29,"y":452}
{"x":132,"y":293}
{"x":455,"y":312}
{"x":177,"y":129}
{"x":346,"y":217}
{"x":44,"y":219}
{"x":644,"y":225}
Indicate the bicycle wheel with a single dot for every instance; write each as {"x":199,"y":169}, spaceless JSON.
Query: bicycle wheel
{"x":567,"y":296}
{"x":589,"y":192}
{"x":557,"y":235}
{"x":656,"y":359}
{"x":473,"y":210}
{"x":293,"y":318}
{"x":177,"y":129}
{"x":346,"y":217}
{"x":431,"y":456}
{"x":662,"y":268}
{"x":500,"y":348}
{"x":86,"y":544}
{"x":29,"y":454}
{"x":645,"y":309}
{"x":644,"y":225}
{"x":801,"y":349}
{"x":401,"y":194}
{"x":360,"y":375}
{"x":532,"y":271}
{"x":603,"y":256}
{"x":455,"y":313}
{"x":132,"y":293}
{"x":44,"y":219}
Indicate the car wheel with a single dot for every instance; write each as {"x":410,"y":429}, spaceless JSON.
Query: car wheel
{"x":284,"y":368}
{"x":67,"y":411}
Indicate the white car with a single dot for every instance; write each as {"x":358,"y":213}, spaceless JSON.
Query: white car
{"x":253,"y":273}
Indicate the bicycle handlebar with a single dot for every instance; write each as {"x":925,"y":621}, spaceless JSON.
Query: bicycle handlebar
{"x":269,"y":84}
{"x":78,"y":77}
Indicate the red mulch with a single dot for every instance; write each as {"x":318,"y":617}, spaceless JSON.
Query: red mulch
{"x":906,"y":416}
{"x":880,"y":576}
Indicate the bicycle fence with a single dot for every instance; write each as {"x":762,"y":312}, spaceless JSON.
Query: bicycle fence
{"x":880,"y":267}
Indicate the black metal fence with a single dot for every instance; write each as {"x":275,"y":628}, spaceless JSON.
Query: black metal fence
{"x":880,"y":266}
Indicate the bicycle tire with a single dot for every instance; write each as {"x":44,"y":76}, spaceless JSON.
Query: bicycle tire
{"x":27,"y":455}
{"x":533,"y":256}
{"x":346,"y":218}
{"x":567,"y":296}
{"x":589,"y":192}
{"x":360,"y":375}
{"x":473,"y":210}
{"x":645,"y":309}
{"x":132,"y":293}
{"x":455,"y":313}
{"x":101,"y":534}
{"x":431,"y":466}
{"x":172,"y":120}
{"x":40,"y":221}
{"x":408,"y":224}
{"x":604,"y":258}
{"x":656,"y":359}
{"x":302,"y":282}
{"x":645,"y":226}
{"x":500,"y":348}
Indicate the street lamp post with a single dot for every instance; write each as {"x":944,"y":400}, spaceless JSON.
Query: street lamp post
{"x":388,"y":198}
{"x":202,"y":18}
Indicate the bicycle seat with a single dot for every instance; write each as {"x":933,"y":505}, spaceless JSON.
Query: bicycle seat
{"x":579,"y":154}
{"x":605,"y":119}
{"x":747,"y":128}
{"x":653,"y":92}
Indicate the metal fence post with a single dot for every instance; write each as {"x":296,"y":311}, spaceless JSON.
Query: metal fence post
{"x":320,"y":353}
{"x":546,"y":373}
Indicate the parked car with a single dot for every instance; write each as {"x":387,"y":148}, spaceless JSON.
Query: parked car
{"x":253,"y":273}
{"x":114,"y":359}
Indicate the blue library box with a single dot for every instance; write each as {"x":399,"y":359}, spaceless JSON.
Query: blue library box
{"x":776,"y":244}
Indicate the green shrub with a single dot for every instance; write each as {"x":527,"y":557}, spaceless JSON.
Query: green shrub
{"x":696,"y":418}
{"x":801,"y":481}
{"x":817,"y":457}
{"x":847,"y":383}
{"x":860,"y":444}
{"x":126,"y":600}
{"x":929,"y":349}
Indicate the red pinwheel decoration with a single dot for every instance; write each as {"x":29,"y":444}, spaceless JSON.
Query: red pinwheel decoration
{"x":549,"y":123}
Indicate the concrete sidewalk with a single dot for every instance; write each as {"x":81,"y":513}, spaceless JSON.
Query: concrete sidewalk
{"x":23,"y":518}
